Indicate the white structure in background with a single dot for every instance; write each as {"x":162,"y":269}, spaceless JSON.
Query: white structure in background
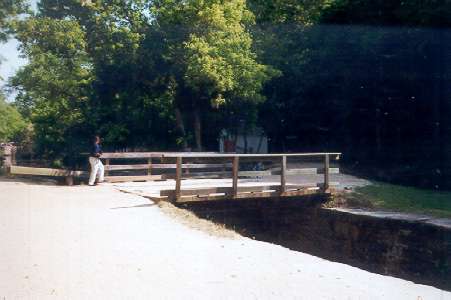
{"x":253,"y":141}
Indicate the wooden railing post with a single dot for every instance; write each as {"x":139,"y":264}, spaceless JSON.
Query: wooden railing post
{"x":283,"y":177}
{"x":178,"y":179}
{"x":107,"y":164}
{"x":69,"y":179}
{"x":235,"y":168}
{"x":326,"y":172}
{"x":149,"y":170}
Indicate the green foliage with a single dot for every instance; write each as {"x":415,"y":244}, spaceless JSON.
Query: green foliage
{"x":305,"y":12}
{"x":54,"y":86}
{"x":9,"y":9}
{"x":368,"y":78}
{"x":122,"y":69}
{"x":92,"y":70}
{"x":12,"y":124}
{"x":214,"y":56}
{"x":153,"y":74}
{"x":209,"y":52}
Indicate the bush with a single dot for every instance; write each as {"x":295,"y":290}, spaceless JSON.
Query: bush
{"x":12,"y":125}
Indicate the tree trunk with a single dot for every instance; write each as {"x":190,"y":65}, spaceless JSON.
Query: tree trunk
{"x":235,"y":141}
{"x":378,"y":134}
{"x":180,"y":127}
{"x":245,"y":140}
{"x":197,"y":129}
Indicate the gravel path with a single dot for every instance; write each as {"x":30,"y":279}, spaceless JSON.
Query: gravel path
{"x":98,"y":243}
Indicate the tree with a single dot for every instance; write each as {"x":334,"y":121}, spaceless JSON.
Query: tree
{"x":365,"y":77}
{"x":305,"y":12}
{"x":9,"y":9}
{"x":131,"y":69}
{"x":128,"y":99}
{"x":210,"y":56}
{"x":54,"y":86}
{"x":12,"y":125}
{"x":404,"y":99}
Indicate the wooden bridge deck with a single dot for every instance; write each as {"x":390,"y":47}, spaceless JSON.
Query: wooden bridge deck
{"x":197,"y":190}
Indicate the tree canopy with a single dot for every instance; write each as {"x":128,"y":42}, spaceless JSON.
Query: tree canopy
{"x":209,"y":54}
{"x":9,"y":9}
{"x":12,"y":124}
{"x":369,"y":78}
{"x":128,"y":68}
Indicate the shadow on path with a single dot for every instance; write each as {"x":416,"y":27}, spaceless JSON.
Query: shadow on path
{"x":134,"y":206}
{"x":37,"y":180}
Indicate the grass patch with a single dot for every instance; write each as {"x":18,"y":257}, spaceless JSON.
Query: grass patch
{"x":406,"y":199}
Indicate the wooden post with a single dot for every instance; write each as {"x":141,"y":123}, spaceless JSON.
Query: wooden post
{"x":107,"y":164}
{"x":283,"y":177}
{"x":235,"y":168}
{"x":149,"y":170}
{"x":186,"y":170}
{"x":326,"y":173}
{"x":69,"y":180}
{"x":178,"y":179}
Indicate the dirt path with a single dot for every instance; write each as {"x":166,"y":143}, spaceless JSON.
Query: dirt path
{"x":98,"y":243}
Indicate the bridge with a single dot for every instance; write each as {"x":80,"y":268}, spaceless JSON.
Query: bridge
{"x":182,"y":166}
{"x":230,"y":176}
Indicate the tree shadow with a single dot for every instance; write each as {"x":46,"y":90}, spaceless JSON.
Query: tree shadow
{"x":135,"y":206}
{"x":32,"y":180}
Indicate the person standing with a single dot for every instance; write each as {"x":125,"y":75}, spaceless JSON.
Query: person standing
{"x":97,"y":168}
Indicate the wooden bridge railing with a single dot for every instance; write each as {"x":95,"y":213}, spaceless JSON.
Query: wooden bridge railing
{"x":180,"y":165}
{"x":154,"y":171}
{"x":213,"y":165}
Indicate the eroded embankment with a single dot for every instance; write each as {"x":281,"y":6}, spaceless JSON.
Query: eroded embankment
{"x":402,"y":247}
